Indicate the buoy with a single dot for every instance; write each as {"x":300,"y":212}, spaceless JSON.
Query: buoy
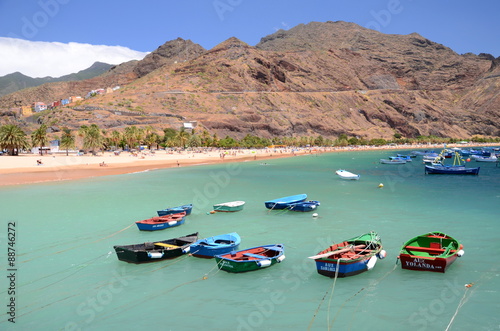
{"x":315,"y":215}
{"x":460,"y":253}
{"x":469,"y":285}
{"x":371,"y":262}
{"x":212,"y":212}
{"x":380,"y":185}
{"x":468,"y":160}
{"x":382,"y":254}
{"x":264,"y":263}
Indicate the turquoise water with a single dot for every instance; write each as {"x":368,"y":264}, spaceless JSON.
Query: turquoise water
{"x":68,"y":277}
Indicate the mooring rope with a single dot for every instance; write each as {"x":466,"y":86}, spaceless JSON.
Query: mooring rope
{"x":324,"y":296}
{"x":331,"y":294}
{"x":460,"y":304}
{"x":361,"y":290}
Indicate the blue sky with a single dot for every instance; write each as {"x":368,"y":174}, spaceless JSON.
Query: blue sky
{"x":142,"y":26}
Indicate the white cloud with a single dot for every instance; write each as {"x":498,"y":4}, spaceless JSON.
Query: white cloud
{"x":41,"y":59}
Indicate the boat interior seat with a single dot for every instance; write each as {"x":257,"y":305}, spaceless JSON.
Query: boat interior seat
{"x":435,"y":245}
{"x":149,"y":245}
{"x":255,"y":255}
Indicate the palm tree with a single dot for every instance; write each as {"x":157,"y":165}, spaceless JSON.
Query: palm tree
{"x":67,"y":140}
{"x":215,"y":140}
{"x":205,"y":138}
{"x":115,"y":138}
{"x":131,"y":135}
{"x":152,"y":139}
{"x":92,"y":137}
{"x":182,"y":138}
{"x":13,"y":139}
{"x":39,"y":137}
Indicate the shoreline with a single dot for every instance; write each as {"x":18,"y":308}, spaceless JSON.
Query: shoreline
{"x":23,"y":169}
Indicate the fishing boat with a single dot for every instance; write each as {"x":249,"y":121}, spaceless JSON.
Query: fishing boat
{"x":155,"y":251}
{"x":492,"y":158}
{"x":393,"y":160}
{"x":407,"y":158}
{"x":216,"y":245}
{"x":304,"y":206}
{"x":344,"y":174}
{"x":230,"y":206}
{"x":350,"y":257}
{"x":457,"y":168}
{"x":283,"y":203}
{"x":251,"y":259}
{"x":161,"y":222}
{"x":411,"y":155}
{"x":433,"y":251}
{"x":187,"y":208}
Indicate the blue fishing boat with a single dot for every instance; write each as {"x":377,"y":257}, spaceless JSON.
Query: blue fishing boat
{"x":457,"y":168}
{"x":175,"y":210}
{"x":304,"y":206}
{"x":161,"y":222}
{"x":216,"y":245}
{"x":283,"y":203}
{"x":350,"y":257}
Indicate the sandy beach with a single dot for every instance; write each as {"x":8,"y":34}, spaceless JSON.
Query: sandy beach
{"x":23,"y":169}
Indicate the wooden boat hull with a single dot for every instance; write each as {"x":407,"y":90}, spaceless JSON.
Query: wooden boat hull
{"x":451,"y":170}
{"x":433,"y":251}
{"x":411,"y":262}
{"x":187,"y":208}
{"x":251,"y":259}
{"x":329,"y":268}
{"x":347,"y":175}
{"x":229,"y":206}
{"x":216,"y":245}
{"x":305,"y":206}
{"x":283,"y":203}
{"x":161,"y":222}
{"x":157,"y":251}
{"x":351,"y":257}
{"x":387,"y":161}
{"x":160,"y":226}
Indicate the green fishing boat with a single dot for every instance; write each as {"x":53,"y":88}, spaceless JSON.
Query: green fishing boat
{"x":251,"y":259}
{"x":434,"y":251}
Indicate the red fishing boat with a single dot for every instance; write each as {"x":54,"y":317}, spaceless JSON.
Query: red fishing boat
{"x":161,"y":222}
{"x":434,"y":251}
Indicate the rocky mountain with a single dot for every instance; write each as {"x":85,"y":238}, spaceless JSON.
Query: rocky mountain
{"x":315,"y":79}
{"x":17,"y":81}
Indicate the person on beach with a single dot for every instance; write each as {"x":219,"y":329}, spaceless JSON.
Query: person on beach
{"x":39,"y":162}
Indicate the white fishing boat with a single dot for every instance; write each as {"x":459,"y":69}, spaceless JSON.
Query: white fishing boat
{"x":344,"y":174}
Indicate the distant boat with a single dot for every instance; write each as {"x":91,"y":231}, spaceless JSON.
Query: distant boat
{"x":251,"y":259}
{"x":161,"y":222}
{"x":407,"y":158}
{"x":434,"y":251}
{"x":175,"y":210}
{"x":412,"y":155}
{"x":393,"y":160}
{"x":230,"y":206}
{"x":344,"y":174}
{"x":155,"y":251}
{"x":350,"y":257}
{"x":492,"y":158}
{"x":216,"y":245}
{"x":304,"y":206}
{"x":283,"y":203}
{"x":456,"y":169}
